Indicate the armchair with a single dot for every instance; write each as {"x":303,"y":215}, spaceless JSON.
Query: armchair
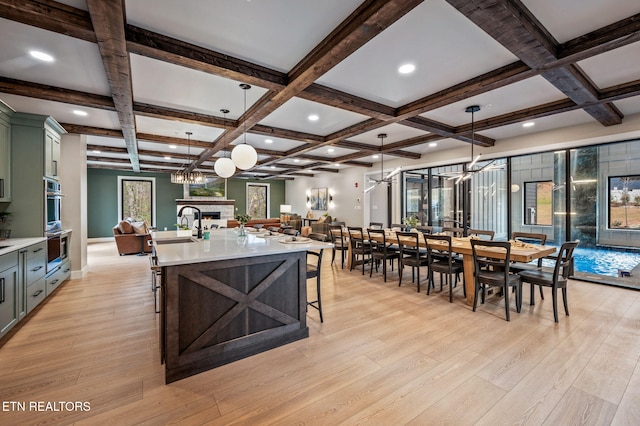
{"x":132,"y":237}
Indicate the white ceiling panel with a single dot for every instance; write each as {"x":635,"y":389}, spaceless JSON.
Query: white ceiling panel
{"x":294,"y":115}
{"x":173,"y":86}
{"x":445,"y":47}
{"x":275,"y":33}
{"x":568,"y":19}
{"x":524,"y":94}
{"x":614,"y":67}
{"x":77,"y":64}
{"x":556,"y":121}
{"x":629,"y":106}
{"x":395,"y":133}
{"x":63,"y":113}
{"x":177,"y":129}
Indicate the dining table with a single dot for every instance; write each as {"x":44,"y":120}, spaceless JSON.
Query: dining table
{"x":520,"y":252}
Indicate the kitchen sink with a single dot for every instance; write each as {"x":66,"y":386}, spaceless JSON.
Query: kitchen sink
{"x":176,"y":240}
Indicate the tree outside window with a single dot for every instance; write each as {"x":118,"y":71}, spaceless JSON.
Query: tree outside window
{"x":538,"y":206}
{"x":624,"y":202}
{"x":136,"y":199}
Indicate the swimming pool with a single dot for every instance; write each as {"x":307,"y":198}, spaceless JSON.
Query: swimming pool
{"x":602,"y":261}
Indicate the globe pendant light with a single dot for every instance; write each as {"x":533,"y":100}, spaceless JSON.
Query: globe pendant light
{"x":244,"y":156}
{"x":224,"y":166}
{"x":185,"y":176}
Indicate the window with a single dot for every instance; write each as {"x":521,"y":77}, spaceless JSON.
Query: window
{"x":136,"y":199}
{"x":258,"y":200}
{"x":624,"y":202}
{"x":538,"y":208}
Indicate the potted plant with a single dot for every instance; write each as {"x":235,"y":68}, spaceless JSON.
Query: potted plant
{"x":411,"y":222}
{"x":4,"y":216}
{"x":243,"y":219}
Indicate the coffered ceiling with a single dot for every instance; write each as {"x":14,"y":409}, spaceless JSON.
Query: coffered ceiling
{"x":145,"y":72}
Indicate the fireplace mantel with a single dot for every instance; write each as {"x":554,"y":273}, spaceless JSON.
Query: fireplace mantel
{"x":204,"y":202}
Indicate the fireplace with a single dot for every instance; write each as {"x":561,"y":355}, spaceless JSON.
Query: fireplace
{"x":207,"y":215}
{"x":214,"y":211}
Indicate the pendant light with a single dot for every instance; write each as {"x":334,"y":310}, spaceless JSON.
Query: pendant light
{"x":383,"y":179}
{"x":224,"y":166}
{"x":244,"y":156}
{"x":184,"y":176}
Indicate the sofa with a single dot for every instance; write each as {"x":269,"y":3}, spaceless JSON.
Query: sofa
{"x":132,"y":237}
{"x":232,"y":223}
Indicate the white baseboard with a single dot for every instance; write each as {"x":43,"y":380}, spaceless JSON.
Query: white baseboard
{"x":100,"y":240}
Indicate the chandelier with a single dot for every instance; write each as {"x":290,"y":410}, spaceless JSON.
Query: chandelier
{"x":224,"y":167}
{"x":185,"y":176}
{"x":383,"y":179}
{"x":244,"y":156}
{"x":470,"y":171}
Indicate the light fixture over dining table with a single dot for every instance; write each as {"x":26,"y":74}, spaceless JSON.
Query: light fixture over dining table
{"x":185,"y":176}
{"x":224,"y":167}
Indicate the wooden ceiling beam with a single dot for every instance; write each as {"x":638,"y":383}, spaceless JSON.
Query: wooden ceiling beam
{"x":338,"y":99}
{"x":446,"y":131}
{"x":50,"y":15}
{"x":56,"y":94}
{"x":512,"y":25}
{"x":108,"y":24}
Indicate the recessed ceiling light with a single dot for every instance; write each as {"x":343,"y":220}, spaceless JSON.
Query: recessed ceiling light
{"x":273,"y":167}
{"x":337,"y":164}
{"x":330,"y":150}
{"x":528,"y":124}
{"x":376,"y":156}
{"x":406,"y":68}
{"x":268,"y":141}
{"x":432,"y":144}
{"x":313,"y":117}
{"x":173,"y":146}
{"x":166,"y":157}
{"x":296,"y":160}
{"x":45,"y":57}
{"x":80,"y":113}
{"x":96,"y":151}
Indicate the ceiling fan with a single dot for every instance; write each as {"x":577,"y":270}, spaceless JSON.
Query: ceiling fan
{"x":470,"y":171}
{"x":388,"y":178}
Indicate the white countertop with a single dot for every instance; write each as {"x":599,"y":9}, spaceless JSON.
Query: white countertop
{"x":18,"y":243}
{"x":225,"y":244}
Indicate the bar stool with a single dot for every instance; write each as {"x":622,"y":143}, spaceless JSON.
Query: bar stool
{"x":313,"y":271}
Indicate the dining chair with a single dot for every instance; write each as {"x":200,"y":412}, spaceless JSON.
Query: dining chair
{"x":410,"y":255}
{"x":381,"y":251}
{"x":339,"y":241}
{"x":481,"y":233}
{"x":376,"y":225}
{"x":442,"y":261}
{"x":555,"y":280}
{"x":313,"y":271}
{"x":425,"y":229}
{"x":453,"y":232}
{"x":493,"y":271}
{"x":531,"y":238}
{"x":399,"y":226}
{"x":359,"y":247}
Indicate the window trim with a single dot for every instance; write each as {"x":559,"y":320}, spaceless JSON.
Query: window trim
{"x":609,"y":227}
{"x":524,"y":202}
{"x":121,"y":179}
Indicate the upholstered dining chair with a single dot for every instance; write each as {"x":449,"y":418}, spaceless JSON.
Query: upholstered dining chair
{"x":381,"y":251}
{"x":376,"y":225}
{"x":453,"y":232}
{"x":411,"y":255}
{"x":494,"y":272}
{"x":313,"y":271}
{"x":443,"y":262}
{"x":359,"y":247}
{"x":555,"y":280}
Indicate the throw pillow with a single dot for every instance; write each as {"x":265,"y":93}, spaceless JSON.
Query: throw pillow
{"x":125,"y":227}
{"x":139,"y":227}
{"x":321,"y":219}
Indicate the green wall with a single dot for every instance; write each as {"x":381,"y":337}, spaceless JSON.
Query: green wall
{"x":237,"y":190}
{"x":102,"y":199}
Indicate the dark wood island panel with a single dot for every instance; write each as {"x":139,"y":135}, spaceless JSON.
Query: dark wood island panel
{"x":217,"y":312}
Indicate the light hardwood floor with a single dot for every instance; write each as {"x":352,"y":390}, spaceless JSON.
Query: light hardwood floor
{"x":384,"y":356}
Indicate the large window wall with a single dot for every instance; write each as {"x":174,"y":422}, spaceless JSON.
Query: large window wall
{"x":591,"y":194}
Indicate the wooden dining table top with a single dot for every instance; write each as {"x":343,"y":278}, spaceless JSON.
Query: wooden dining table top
{"x":520,"y":251}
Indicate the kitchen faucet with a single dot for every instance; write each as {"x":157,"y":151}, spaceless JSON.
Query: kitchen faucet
{"x":199,"y":218}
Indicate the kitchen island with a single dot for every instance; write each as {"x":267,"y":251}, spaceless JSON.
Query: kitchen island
{"x":228,"y":297}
